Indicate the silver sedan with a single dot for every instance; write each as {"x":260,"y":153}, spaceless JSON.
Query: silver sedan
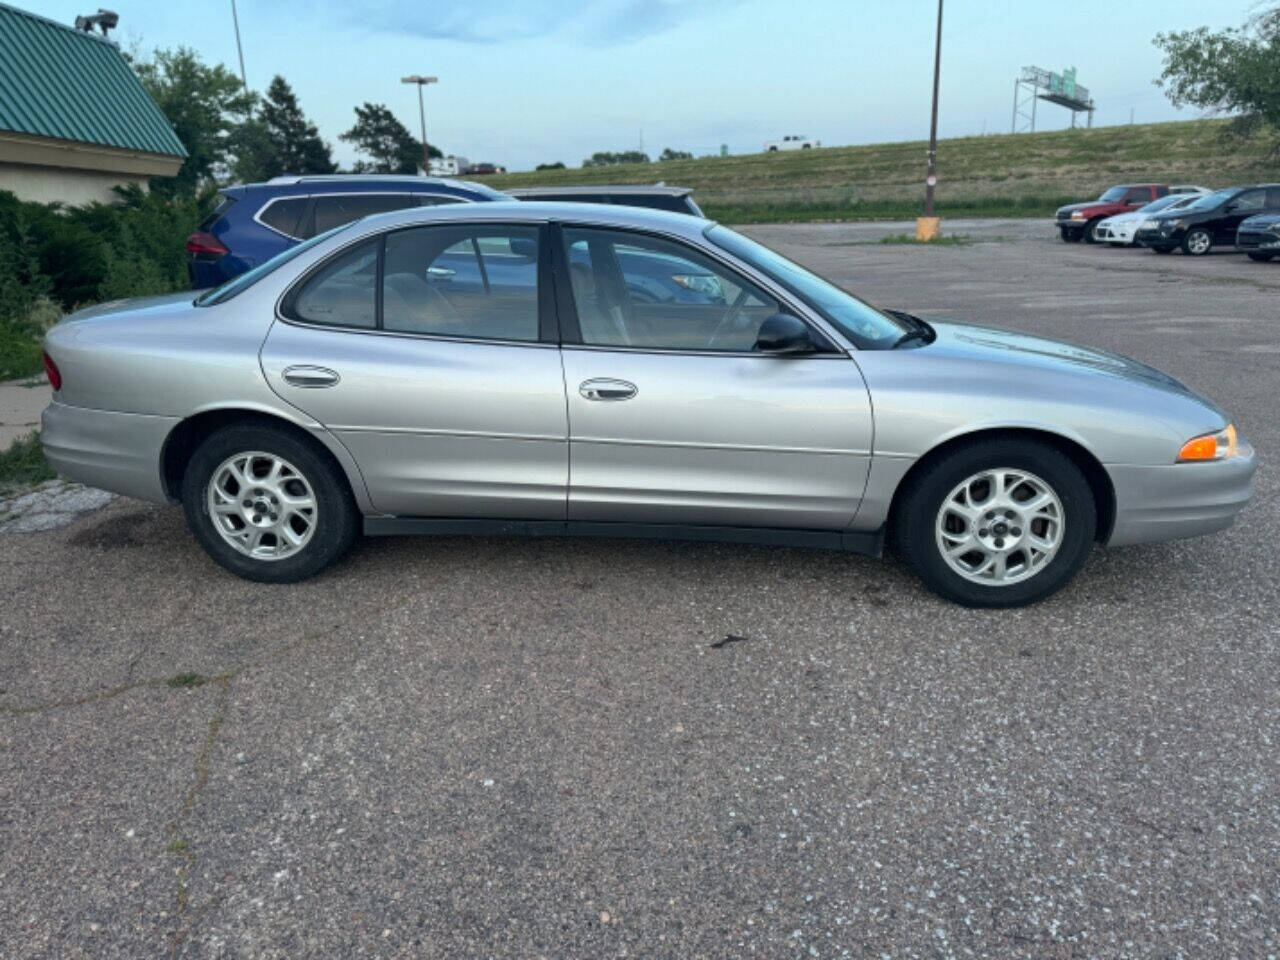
{"x":544,"y":369}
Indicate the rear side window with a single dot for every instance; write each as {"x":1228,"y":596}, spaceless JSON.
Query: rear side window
{"x":477,"y":282}
{"x":1138,"y":195}
{"x":337,"y":209}
{"x":283,"y":215}
{"x":343,"y":292}
{"x":1273,"y":198}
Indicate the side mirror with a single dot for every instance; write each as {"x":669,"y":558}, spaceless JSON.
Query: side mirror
{"x":784,"y":334}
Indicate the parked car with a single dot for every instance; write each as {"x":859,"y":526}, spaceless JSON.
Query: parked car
{"x":1119,"y":230}
{"x":1259,"y":236}
{"x":253,"y":222}
{"x":484,"y":169}
{"x":361,"y":381}
{"x":675,"y":199}
{"x":1212,"y":220}
{"x":1078,"y":221}
{"x":792,"y":142}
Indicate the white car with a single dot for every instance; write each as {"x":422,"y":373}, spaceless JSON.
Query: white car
{"x":1119,"y":230}
{"x":793,"y":142}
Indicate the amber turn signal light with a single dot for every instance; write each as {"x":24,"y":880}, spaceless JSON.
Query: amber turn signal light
{"x":1211,"y":446}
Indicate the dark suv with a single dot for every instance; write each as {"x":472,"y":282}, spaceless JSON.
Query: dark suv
{"x":1208,"y":222}
{"x":255,"y":221}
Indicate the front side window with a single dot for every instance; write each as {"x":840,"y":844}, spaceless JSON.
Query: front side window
{"x":1250,"y":202}
{"x":1113,"y":195}
{"x":343,"y":292}
{"x":462,"y":281}
{"x":643,"y":292}
{"x":867,"y":327}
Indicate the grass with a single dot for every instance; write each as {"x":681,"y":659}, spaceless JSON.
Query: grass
{"x":950,"y":240}
{"x":187,"y":680}
{"x":1023,"y":175}
{"x":19,"y":354}
{"x":23,"y":464}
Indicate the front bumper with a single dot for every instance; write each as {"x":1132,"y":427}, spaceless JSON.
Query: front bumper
{"x":1263,"y":240}
{"x":1179,"y":500}
{"x":1155,"y":238}
{"x":119,"y":452}
{"x":1115,"y":232}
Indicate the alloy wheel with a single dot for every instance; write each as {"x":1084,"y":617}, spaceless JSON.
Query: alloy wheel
{"x":262,"y":505}
{"x":1198,"y":243}
{"x":1000,"y":526}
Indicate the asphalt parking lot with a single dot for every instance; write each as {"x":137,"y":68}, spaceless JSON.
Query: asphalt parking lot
{"x":499,"y":748}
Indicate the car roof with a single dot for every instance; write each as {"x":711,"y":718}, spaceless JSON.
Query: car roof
{"x":538,"y":211}
{"x":656,"y":190}
{"x":359,"y":183}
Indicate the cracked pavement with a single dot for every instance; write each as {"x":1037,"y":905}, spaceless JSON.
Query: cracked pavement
{"x":502,"y":748}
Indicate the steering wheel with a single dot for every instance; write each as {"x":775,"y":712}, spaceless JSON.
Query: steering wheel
{"x":730,"y":315}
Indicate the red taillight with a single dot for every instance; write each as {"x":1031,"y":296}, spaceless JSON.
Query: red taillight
{"x":203,"y":244}
{"x":52,"y":372}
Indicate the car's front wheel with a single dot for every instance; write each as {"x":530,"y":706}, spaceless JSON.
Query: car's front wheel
{"x":997,"y":524}
{"x":1091,"y":230}
{"x":266,"y":505}
{"x":1197,"y":242}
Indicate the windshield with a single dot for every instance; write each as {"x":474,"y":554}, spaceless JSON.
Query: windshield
{"x":1172,"y":201}
{"x":1115,"y":193}
{"x":237,"y":285}
{"x":867,"y":327}
{"x":1210,"y":200}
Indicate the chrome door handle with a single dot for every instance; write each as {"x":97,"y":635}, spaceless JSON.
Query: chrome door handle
{"x":606,"y":389}
{"x":304,"y":375}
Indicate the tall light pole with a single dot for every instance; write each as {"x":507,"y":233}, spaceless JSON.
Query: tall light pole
{"x":927,"y":226}
{"x":239,"y":50}
{"x":422,"y":116}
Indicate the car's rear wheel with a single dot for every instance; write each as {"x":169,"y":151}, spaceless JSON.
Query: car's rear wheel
{"x":1261,"y":257}
{"x":266,"y":505}
{"x":996,"y":524}
{"x":1197,"y":242}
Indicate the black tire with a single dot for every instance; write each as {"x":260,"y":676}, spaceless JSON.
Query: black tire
{"x":1090,"y":236}
{"x":1188,"y":242}
{"x":1116,"y":243}
{"x":914,"y":523}
{"x":1261,"y":257}
{"x":1069,"y":235}
{"x":1163,"y":249}
{"x":337,"y":518}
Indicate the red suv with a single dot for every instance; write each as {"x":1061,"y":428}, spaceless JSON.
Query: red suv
{"x":1076,"y":221}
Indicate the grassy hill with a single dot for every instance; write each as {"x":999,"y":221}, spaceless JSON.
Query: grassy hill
{"x":1026,"y":174}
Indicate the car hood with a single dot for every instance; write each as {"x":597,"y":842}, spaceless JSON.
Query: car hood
{"x":981,"y":344}
{"x":133,"y":306}
{"x":1092,"y":204}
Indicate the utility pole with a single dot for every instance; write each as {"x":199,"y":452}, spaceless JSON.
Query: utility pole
{"x":927,"y":226}
{"x":422,"y":116}
{"x":239,"y":50}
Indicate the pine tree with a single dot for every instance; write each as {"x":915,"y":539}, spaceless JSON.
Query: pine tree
{"x":385,"y":140}
{"x":279,"y":139}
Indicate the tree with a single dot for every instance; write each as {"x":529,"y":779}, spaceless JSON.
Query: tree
{"x":550,"y":166}
{"x":669,"y":154}
{"x":603,"y":158}
{"x":279,"y":139}
{"x":379,"y":135}
{"x":204,"y":105}
{"x":1235,"y":71}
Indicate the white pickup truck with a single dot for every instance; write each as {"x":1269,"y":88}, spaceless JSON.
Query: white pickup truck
{"x":791,"y":143}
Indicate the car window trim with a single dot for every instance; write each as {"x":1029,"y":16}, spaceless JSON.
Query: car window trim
{"x":308,"y":209}
{"x":548,"y":326}
{"x":571,"y":332}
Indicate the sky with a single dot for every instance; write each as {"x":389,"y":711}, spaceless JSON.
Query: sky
{"x":523,"y":82}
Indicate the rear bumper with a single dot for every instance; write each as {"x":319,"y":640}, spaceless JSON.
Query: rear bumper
{"x":119,"y":452}
{"x":1179,"y":500}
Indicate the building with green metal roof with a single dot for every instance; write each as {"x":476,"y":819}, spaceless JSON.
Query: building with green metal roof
{"x":75,"y":120}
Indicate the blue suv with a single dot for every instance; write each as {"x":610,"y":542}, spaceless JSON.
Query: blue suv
{"x":254,"y":221}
